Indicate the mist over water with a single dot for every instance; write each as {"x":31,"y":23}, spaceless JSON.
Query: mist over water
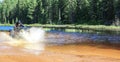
{"x":32,"y":40}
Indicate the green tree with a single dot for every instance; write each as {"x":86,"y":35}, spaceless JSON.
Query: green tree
{"x":30,"y":11}
{"x":108,"y":11}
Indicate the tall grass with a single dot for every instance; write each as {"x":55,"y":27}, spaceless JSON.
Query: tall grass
{"x":72,"y":26}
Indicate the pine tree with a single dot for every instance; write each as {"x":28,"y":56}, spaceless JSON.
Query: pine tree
{"x":108,"y":12}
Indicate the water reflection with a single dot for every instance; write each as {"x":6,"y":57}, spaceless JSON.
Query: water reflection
{"x":67,"y":38}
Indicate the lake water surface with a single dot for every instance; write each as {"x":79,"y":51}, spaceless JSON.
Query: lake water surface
{"x":6,"y":28}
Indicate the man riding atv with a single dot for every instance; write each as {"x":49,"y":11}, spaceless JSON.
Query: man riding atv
{"x":18,"y":26}
{"x":17,"y":29}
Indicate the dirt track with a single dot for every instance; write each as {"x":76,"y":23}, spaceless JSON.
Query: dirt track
{"x":66,"y":53}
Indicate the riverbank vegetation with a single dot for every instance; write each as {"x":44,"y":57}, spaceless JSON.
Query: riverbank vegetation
{"x":95,"y":15}
{"x":71,"y":26}
{"x":76,"y":28}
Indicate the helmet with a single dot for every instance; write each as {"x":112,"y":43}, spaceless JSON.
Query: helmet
{"x":18,"y":22}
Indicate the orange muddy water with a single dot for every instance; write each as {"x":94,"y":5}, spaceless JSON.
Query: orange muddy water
{"x":63,"y":53}
{"x":60,"y":53}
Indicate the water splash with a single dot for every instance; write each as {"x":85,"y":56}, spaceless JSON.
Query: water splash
{"x":35,"y":39}
{"x":32,"y":40}
{"x":33,"y":35}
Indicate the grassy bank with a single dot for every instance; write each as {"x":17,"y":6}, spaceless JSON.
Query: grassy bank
{"x":82,"y":27}
{"x":78,"y":28}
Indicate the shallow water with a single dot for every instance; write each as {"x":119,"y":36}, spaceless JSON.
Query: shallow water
{"x":68,"y":38}
{"x":55,"y":50}
{"x":63,"y":53}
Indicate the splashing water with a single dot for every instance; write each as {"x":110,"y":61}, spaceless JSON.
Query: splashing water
{"x":32,"y":40}
{"x":35,"y":39}
{"x":33,"y":35}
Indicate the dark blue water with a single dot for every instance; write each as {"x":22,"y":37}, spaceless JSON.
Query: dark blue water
{"x":74,"y":36}
{"x":6,"y":28}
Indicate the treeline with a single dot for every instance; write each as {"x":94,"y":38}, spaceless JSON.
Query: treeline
{"x":61,"y":11}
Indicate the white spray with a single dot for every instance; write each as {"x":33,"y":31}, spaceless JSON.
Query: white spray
{"x":35,"y":39}
{"x":32,"y":40}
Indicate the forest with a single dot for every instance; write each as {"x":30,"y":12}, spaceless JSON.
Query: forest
{"x":90,"y":12}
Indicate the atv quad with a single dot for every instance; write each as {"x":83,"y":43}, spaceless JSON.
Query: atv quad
{"x":15,"y":33}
